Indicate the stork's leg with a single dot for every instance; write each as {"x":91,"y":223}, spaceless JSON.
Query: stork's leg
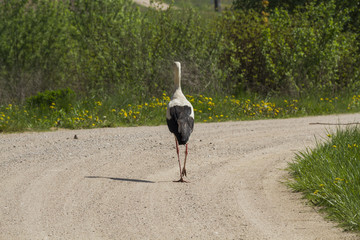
{"x":183,"y":173}
{"x":177,"y":151}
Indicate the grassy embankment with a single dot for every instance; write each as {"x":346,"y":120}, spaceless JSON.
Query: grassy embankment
{"x":93,"y":113}
{"x":329,"y":176}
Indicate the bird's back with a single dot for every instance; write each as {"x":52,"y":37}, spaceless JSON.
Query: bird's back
{"x":181,"y":123}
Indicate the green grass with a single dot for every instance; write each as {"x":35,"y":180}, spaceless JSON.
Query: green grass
{"x":329,"y":176}
{"x":112,"y":112}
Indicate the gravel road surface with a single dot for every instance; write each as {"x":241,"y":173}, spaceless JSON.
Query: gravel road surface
{"x":117,"y":183}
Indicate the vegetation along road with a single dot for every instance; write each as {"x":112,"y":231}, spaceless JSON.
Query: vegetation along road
{"x":117,"y":183}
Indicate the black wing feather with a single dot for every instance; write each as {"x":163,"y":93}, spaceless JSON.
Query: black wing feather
{"x":180,"y":123}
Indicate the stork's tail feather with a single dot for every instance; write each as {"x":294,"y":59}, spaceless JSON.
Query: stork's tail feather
{"x":184,"y":131}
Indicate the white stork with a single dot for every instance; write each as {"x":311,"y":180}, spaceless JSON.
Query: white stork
{"x":180,"y":118}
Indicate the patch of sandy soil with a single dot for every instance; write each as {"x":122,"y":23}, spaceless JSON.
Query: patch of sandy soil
{"x":117,"y":183}
{"x":154,"y":4}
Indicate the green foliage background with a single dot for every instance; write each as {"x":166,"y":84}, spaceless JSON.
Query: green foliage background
{"x":114,"y":48}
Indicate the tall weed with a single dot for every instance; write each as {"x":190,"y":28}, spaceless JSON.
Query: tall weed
{"x":112,"y":48}
{"x":98,"y":48}
{"x":33,"y":43}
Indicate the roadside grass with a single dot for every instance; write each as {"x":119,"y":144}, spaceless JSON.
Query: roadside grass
{"x":110,"y":112}
{"x":329,"y":176}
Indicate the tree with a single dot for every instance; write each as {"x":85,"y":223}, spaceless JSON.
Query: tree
{"x":217,"y":6}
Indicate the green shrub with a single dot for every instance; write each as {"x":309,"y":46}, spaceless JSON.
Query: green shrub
{"x":97,"y":48}
{"x":289,"y":53}
{"x":107,"y":45}
{"x":62,"y":99}
{"x":241,"y":58}
{"x":33,"y":46}
{"x":112,"y":48}
{"x":308,"y":50}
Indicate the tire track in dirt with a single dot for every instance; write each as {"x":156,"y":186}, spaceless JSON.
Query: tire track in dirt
{"x":117,"y":183}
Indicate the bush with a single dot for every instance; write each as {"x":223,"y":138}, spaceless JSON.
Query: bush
{"x":241,"y":58}
{"x":101,"y":48}
{"x":290,"y":54}
{"x":33,"y":45}
{"x":62,"y":99}
{"x":308,"y":50}
{"x":97,"y":48}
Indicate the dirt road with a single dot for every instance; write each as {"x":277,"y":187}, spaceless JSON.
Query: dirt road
{"x":117,"y":183}
{"x":154,"y":4}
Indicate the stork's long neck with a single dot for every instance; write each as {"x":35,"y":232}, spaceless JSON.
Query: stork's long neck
{"x":177,"y":78}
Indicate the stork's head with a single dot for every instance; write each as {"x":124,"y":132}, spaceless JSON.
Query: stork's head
{"x":177,"y":68}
